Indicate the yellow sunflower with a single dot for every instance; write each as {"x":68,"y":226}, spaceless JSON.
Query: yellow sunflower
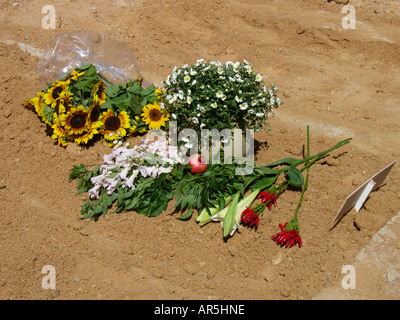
{"x":64,"y":104}
{"x":59,"y":132}
{"x":114,"y":126}
{"x":154,"y":117}
{"x":75,"y":121}
{"x":158,"y":93}
{"x":55,"y":93}
{"x":37,"y":103}
{"x":94,"y":113}
{"x":86,"y":136}
{"x":98,"y":93}
{"x":75,"y":75}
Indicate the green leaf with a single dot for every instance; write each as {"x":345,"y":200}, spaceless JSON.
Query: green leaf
{"x":187,"y":215}
{"x":265,"y":170}
{"x":286,"y":161}
{"x":264,"y":182}
{"x":295,"y":178}
{"x":229,"y":220}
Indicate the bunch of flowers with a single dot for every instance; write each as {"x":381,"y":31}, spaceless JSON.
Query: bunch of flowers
{"x":130,"y":178}
{"x":125,"y":164}
{"x":219,"y":96}
{"x":124,"y":171}
{"x":263,"y":186}
{"x":83,"y":106}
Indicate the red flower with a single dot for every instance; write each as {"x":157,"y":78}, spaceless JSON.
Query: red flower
{"x":250,"y":217}
{"x":267,"y":197}
{"x":287,"y":238}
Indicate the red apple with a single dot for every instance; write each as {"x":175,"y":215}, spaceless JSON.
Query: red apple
{"x":195,"y":163}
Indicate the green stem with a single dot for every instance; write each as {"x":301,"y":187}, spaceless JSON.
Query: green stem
{"x":307,"y":166}
{"x":323,"y":153}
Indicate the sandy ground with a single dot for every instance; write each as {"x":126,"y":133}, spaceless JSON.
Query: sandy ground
{"x":343,"y":83}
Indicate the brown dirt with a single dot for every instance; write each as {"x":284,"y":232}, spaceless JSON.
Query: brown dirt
{"x":343,"y":83}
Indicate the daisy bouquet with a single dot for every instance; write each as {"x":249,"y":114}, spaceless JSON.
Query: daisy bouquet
{"x":212,"y":95}
{"x":83,"y":106}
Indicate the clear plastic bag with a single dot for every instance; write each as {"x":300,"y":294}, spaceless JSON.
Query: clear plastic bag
{"x":113,"y":59}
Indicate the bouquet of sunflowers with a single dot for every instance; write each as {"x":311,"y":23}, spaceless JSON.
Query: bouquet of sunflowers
{"x":84,"y":106}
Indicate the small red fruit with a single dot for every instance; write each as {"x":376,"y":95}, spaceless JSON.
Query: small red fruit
{"x":195,"y":163}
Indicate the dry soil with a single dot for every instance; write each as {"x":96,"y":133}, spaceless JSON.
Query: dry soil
{"x":341,"y":82}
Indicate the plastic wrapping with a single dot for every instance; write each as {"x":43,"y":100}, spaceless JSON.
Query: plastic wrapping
{"x":113,"y":59}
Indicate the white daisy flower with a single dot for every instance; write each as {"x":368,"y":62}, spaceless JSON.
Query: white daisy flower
{"x":189,"y":100}
{"x":186,"y":79}
{"x":195,"y":120}
{"x":220,"y":94}
{"x":178,"y":96}
{"x":258,"y":77}
{"x":200,"y":108}
{"x":170,"y":98}
{"x":193,"y":72}
{"x":244,"y":106}
{"x":238,"y":99}
{"x":214,"y":105}
{"x":248,"y":68}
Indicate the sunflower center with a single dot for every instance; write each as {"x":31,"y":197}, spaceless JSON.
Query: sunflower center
{"x":78,"y":120}
{"x":155,"y":115}
{"x":56,"y":92}
{"x":94,"y":116}
{"x":112,"y":123}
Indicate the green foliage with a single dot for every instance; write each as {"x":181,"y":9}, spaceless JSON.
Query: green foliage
{"x":83,"y":176}
{"x":192,"y":192}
